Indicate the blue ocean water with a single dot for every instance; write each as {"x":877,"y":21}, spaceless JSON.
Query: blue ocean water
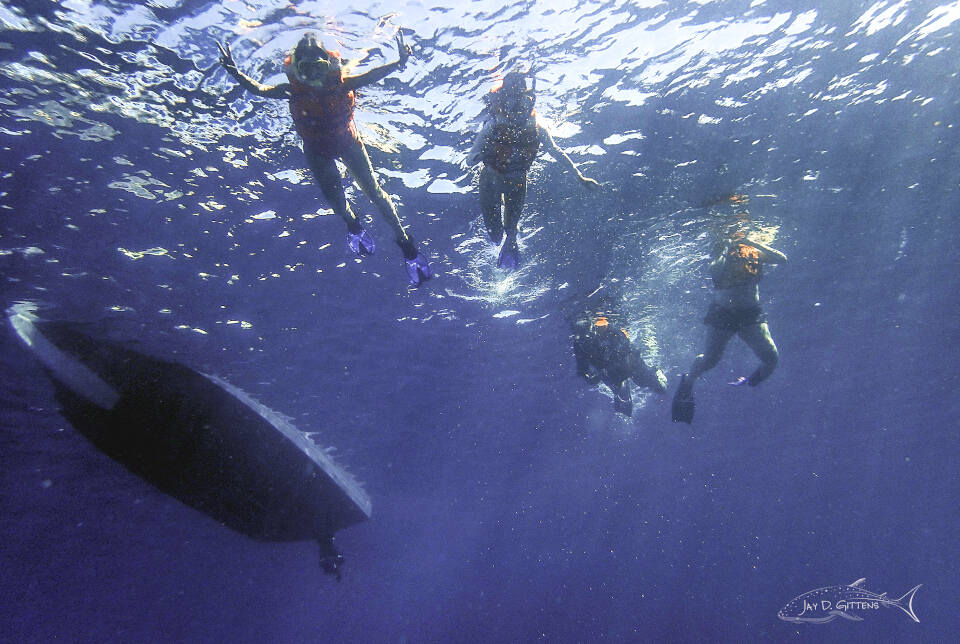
{"x":146,"y":196}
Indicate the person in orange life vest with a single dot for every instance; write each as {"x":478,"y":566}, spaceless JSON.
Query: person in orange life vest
{"x":735,"y":309}
{"x":507,"y":145}
{"x":322,"y":101}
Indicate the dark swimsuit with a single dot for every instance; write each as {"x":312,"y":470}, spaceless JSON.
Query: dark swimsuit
{"x":735,"y":320}
{"x":741,"y":267}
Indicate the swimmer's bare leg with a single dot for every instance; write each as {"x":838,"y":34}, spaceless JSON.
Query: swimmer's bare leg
{"x":327,"y":175}
{"x":514,"y":195}
{"x":717,"y":340}
{"x":491,"y":203}
{"x":358,"y":163}
{"x":758,"y":338}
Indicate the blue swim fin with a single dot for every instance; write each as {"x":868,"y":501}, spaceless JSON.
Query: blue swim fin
{"x":509,"y":258}
{"x":623,"y":399}
{"x":361,"y":242}
{"x":418,"y":268}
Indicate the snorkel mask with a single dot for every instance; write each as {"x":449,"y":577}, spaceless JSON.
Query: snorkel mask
{"x":311,"y":62}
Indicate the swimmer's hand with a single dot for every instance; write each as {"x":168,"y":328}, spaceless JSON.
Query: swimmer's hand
{"x":226,"y":58}
{"x":588,"y":183}
{"x":404,"y":50}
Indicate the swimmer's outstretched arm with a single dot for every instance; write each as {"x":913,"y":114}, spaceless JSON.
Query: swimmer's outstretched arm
{"x":269,"y":91}
{"x":379,"y":73}
{"x":767,"y":254}
{"x":546,"y":140}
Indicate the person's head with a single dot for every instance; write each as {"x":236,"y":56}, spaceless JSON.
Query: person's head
{"x":726,"y":238}
{"x":313,"y":62}
{"x":512,"y":100}
{"x":514,"y":83}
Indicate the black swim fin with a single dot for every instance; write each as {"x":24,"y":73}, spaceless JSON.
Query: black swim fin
{"x":623,"y":399}
{"x":683,"y":401}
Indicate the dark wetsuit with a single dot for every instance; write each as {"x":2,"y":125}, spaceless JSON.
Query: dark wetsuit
{"x":604,"y":354}
{"x":734,"y":319}
{"x":735,"y":310}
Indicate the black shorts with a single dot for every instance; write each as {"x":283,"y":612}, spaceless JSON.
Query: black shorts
{"x":735,"y":320}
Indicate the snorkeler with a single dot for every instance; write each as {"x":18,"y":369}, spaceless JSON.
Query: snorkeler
{"x":322,"y":102}
{"x":734,"y":309}
{"x":604,"y":352}
{"x":507,"y":145}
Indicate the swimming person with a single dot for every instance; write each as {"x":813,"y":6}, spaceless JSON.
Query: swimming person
{"x":603,"y":350}
{"x":734,"y":309}
{"x":604,"y":354}
{"x":322,"y":99}
{"x":507,"y":145}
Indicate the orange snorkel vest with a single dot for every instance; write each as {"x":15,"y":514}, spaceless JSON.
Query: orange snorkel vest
{"x":321,"y":111}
